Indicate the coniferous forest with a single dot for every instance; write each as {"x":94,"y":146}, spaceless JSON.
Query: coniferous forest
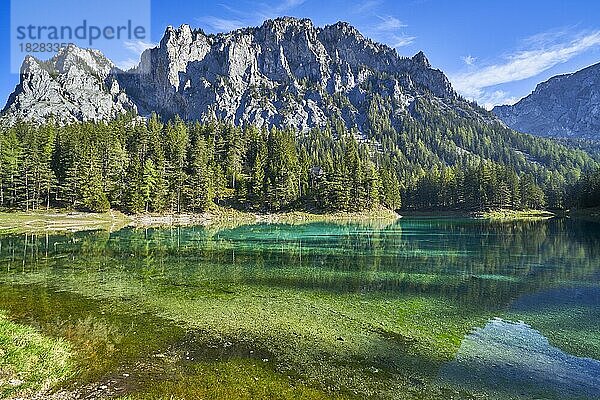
{"x":154,"y":166}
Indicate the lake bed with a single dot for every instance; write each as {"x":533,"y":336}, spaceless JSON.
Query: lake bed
{"x":403,"y":309}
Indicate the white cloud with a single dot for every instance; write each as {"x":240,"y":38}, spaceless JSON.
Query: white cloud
{"x":138,"y":46}
{"x":243,"y":18}
{"x":127,"y":64}
{"x":469,"y":60}
{"x":389,"y":23}
{"x":367,"y":6}
{"x":544,"y":52}
{"x":497,"y":97}
{"x":401,"y":41}
{"x":547,"y":38}
{"x":389,"y":30}
{"x":222,"y":24}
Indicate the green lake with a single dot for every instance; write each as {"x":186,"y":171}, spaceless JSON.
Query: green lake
{"x":420,"y":308}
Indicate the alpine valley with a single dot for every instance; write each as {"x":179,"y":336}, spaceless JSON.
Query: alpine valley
{"x":285,"y":115}
{"x":222,"y":222}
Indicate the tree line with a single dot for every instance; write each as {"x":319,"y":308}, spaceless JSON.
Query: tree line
{"x":136,"y":166}
{"x":586,"y":192}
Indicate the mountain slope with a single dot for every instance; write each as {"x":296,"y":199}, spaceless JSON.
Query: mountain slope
{"x":563,"y":106}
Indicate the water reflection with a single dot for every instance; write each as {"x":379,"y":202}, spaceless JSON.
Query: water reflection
{"x":508,"y":358}
{"x":464,"y":260}
{"x":559,"y":298}
{"x":400,"y":297}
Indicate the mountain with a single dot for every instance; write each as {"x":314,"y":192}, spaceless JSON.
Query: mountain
{"x":286,"y":72}
{"x":75,"y":85}
{"x":357,"y":110}
{"x":563,"y":106}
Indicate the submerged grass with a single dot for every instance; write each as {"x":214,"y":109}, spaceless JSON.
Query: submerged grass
{"x":233,"y":379}
{"x":30,"y":362}
{"x":116,"y":350}
{"x":103,"y":336}
{"x":361,"y":345}
{"x":330,"y":320}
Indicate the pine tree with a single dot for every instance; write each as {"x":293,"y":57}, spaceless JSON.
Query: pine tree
{"x":372,"y":187}
{"x":257,"y":178}
{"x":134,"y":198}
{"x":10,"y":155}
{"x":93,"y":197}
{"x":148,"y":183}
{"x":198,"y":185}
{"x":159,"y":194}
{"x":177,"y":143}
{"x":390,"y":189}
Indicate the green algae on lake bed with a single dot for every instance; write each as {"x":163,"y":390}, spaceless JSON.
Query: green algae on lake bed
{"x":347,"y":310}
{"x":29,"y":361}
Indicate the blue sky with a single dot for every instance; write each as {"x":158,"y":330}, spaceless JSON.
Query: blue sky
{"x":493,"y":51}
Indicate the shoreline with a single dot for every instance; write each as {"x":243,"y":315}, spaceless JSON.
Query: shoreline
{"x":63,"y":221}
{"x":516,"y":215}
{"x":493,"y":215}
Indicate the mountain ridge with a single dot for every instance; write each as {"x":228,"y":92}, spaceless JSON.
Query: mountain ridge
{"x":333,"y":96}
{"x":284,"y":73}
{"x":566,"y":105}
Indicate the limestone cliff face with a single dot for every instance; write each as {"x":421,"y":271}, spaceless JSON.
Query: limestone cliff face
{"x":286,"y":72}
{"x":565,"y":106}
{"x":75,"y":85}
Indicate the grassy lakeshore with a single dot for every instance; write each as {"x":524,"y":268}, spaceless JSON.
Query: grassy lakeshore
{"x":220,"y":215}
{"x":55,"y":221}
{"x":436,"y":214}
{"x":496,"y":215}
{"x":304,"y":216}
{"x":512,"y":215}
{"x":52,"y":221}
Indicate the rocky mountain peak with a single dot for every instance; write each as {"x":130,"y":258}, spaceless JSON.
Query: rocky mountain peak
{"x":75,"y":85}
{"x":286,"y":24}
{"x":75,"y":57}
{"x":344,"y":28}
{"x":421,"y":60}
{"x":286,"y":72}
{"x":183,"y":34}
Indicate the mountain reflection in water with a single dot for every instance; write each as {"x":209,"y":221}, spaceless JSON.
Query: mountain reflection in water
{"x":515,"y":359}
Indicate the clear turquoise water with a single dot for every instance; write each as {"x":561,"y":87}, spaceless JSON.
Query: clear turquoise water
{"x":420,"y":308}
